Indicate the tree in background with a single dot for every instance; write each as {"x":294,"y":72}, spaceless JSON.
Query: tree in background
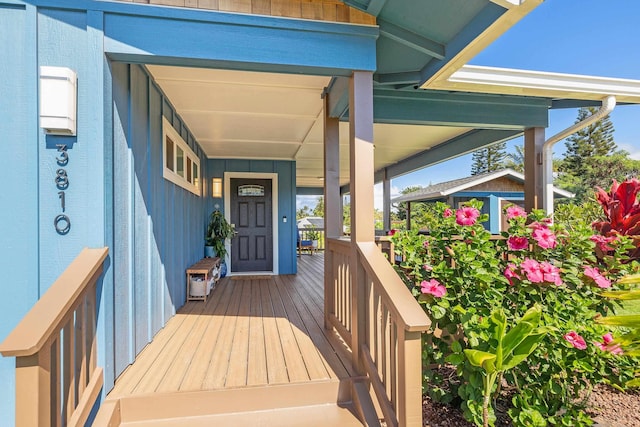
{"x":515,"y":160}
{"x":592,"y":159}
{"x":319,"y":209}
{"x":595,"y":140}
{"x":303,"y":212}
{"x":489,"y":159}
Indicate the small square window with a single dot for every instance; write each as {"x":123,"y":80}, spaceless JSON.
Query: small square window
{"x":168,"y":155}
{"x":180,"y":161}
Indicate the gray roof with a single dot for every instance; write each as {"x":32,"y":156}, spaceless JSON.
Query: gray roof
{"x":315,"y":221}
{"x":443,"y":189}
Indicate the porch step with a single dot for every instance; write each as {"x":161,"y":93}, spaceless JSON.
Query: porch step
{"x":322,"y":403}
{"x":308,"y":416}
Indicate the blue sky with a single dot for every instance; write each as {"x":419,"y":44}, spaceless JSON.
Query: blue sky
{"x":592,"y":37}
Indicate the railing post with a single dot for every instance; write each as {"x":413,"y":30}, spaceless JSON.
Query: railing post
{"x":361,"y":186}
{"x":409,"y":407}
{"x":33,"y":389}
{"x":332,"y":204}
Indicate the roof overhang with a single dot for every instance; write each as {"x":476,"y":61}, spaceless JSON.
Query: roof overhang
{"x":555,"y":86}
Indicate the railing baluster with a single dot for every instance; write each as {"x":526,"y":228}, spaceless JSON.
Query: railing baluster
{"x":53,"y":365}
{"x":68,"y":369}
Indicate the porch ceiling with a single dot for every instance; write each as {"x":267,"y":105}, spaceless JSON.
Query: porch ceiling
{"x":237,"y":114}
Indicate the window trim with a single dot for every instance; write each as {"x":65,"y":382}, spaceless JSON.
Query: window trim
{"x":169,"y":131}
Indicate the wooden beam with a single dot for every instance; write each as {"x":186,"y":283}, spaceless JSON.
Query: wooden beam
{"x":455,"y":147}
{"x":361,"y":179}
{"x":533,"y":185}
{"x":406,"y":78}
{"x":440,"y":108}
{"x":386,"y":202}
{"x":338,"y":97}
{"x":411,"y":40}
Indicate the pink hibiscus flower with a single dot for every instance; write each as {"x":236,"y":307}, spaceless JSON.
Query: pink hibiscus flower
{"x":447,"y":213}
{"x":467,"y":215}
{"x":598,"y":278}
{"x":531,"y":268}
{"x":427,"y":267}
{"x":515,"y":211}
{"x":607,"y":345}
{"x":603,"y":242}
{"x":425,"y":244}
{"x":517,"y":243}
{"x":545,"y":237}
{"x":510,"y":273}
{"x":575,"y":340}
{"x":433,"y":287}
{"x":392,"y":232}
{"x":550,"y":273}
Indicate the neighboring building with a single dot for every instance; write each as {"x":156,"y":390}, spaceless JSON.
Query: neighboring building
{"x":495,"y":189}
{"x":126,"y":124}
{"x":316,"y":222}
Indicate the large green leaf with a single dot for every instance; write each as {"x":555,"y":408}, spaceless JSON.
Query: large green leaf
{"x":630,"y":279}
{"x":632,"y":321}
{"x":518,"y":333}
{"x":523,"y":350}
{"x":622,"y":295}
{"x":481,"y":359}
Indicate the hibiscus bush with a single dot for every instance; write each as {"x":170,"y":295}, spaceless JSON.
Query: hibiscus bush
{"x":461,"y":274}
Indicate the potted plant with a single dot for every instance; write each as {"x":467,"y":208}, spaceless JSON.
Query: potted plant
{"x":218,"y":231}
{"x":314,"y":236}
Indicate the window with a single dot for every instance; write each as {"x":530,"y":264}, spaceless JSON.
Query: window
{"x":181,"y":165}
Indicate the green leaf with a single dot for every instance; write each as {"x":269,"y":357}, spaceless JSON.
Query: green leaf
{"x":456,"y":347}
{"x":622,"y":295}
{"x":455,"y":358}
{"x":523,"y":350}
{"x":632,"y":321}
{"x":481,"y":359}
{"x":629,"y":280}
{"x":438,"y":312}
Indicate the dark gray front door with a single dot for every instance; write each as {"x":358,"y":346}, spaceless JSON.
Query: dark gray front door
{"x":252,"y":247}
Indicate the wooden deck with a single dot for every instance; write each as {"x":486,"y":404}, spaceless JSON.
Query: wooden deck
{"x":252,"y":333}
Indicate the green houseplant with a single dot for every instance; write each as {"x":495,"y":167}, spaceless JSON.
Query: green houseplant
{"x":218,"y":231}
{"x":314,"y":236}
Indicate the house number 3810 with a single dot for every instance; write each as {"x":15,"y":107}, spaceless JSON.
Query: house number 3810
{"x":62,"y":223}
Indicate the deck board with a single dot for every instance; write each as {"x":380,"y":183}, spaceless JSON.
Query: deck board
{"x":252,"y":331}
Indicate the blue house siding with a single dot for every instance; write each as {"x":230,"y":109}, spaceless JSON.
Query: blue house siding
{"x":158,"y":226}
{"x":286,"y":171}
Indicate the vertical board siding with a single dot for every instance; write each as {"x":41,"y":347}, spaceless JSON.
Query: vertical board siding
{"x":158,"y":226}
{"x":19,"y":199}
{"x":286,"y":170}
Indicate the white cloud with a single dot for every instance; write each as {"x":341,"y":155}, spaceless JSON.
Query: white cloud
{"x":377,"y":194}
{"x":633,"y":150}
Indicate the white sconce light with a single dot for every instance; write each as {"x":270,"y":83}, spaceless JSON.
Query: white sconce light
{"x":58,"y":100}
{"x":216,"y":188}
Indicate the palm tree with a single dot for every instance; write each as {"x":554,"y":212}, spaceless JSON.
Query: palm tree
{"x":515,"y":160}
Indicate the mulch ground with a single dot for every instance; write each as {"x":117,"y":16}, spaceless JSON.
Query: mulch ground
{"x":607,"y":407}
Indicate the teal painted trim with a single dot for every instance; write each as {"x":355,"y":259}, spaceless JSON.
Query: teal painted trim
{"x":372,"y":7}
{"x":487,"y":16}
{"x":408,"y":78}
{"x":309,"y":191}
{"x":513,"y":195}
{"x":253,"y":42}
{"x":494,"y":214}
{"x":412,"y":40}
{"x":338,"y":92}
{"x":462,"y":109}
{"x":455,"y":147}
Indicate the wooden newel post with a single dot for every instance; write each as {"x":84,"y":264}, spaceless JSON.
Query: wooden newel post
{"x":410,"y":380}
{"x":33,"y":389}
{"x":361,"y":185}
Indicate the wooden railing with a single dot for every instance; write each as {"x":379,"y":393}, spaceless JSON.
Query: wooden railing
{"x":338,"y":287}
{"x":390,"y":345}
{"x":57,"y":379}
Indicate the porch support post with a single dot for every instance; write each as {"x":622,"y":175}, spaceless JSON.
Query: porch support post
{"x":386,"y":202}
{"x":408,"y":220}
{"x":361,"y":187}
{"x":533,"y":185}
{"x":332,"y":203}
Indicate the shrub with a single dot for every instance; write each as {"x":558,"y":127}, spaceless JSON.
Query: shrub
{"x":461,"y":275}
